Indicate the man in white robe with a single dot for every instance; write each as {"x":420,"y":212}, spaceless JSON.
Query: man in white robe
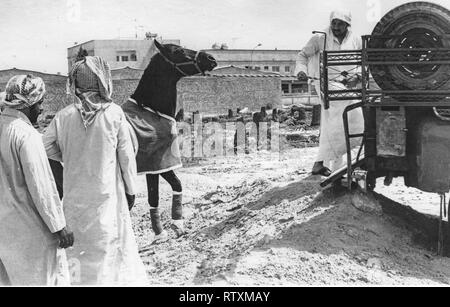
{"x":31,"y":215}
{"x":92,"y":138}
{"x":332,"y":138}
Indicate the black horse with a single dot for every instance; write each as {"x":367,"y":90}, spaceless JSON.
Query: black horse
{"x":155,"y":102}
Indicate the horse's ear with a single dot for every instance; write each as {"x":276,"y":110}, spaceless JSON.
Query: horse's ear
{"x":159,"y":46}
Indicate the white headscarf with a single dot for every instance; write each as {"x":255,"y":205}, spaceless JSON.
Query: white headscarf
{"x":22,"y":91}
{"x":343,"y":15}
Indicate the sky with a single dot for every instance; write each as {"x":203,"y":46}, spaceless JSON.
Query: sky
{"x":35,"y":34}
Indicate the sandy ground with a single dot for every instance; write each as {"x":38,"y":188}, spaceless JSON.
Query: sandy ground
{"x":262,"y":220}
{"x":427,"y":203}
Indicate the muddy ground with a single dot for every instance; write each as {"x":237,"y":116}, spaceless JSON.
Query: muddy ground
{"x":262,"y":220}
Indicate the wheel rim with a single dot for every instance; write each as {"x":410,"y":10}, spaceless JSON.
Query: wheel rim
{"x":419,"y":38}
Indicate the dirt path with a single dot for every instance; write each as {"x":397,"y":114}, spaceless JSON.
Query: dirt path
{"x":256,"y":220}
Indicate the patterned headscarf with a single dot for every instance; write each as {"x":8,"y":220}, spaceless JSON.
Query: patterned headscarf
{"x":344,"y":15}
{"x":90,"y":83}
{"x":23,"y":91}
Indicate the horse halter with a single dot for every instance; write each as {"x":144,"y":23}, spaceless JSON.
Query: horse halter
{"x":194,"y":62}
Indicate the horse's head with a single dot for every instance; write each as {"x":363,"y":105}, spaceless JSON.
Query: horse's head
{"x":157,"y":87}
{"x":187,"y":62}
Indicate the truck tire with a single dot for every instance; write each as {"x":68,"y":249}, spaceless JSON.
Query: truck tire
{"x":422,"y":25}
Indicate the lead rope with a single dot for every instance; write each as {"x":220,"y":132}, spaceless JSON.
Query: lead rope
{"x":191,"y":62}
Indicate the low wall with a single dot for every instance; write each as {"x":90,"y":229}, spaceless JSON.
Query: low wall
{"x":209,"y":94}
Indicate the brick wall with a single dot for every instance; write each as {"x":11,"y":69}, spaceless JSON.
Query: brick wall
{"x":215,"y":95}
{"x":122,"y":90}
{"x":56,"y":97}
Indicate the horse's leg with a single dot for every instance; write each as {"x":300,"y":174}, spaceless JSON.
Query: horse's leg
{"x":57,"y":170}
{"x":153,"y":201}
{"x":177,"y":201}
{"x":257,"y":136}
{"x":235,"y":142}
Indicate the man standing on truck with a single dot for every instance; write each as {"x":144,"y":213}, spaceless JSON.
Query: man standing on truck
{"x":339,"y":36}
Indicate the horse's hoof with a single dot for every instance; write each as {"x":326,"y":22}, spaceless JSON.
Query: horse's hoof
{"x":178,"y":227}
{"x":162,"y":237}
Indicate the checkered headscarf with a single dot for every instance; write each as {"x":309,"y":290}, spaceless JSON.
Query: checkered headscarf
{"x":92,"y":74}
{"x":23,"y":91}
{"x":90,"y":84}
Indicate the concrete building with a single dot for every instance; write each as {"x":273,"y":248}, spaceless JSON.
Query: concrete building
{"x":119,"y":53}
{"x":281,"y":62}
{"x":277,"y":61}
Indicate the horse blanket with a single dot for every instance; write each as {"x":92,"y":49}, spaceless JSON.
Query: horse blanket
{"x":157,"y":136}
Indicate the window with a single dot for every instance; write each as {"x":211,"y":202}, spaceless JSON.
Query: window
{"x":257,"y":68}
{"x":266,"y":67}
{"x":287,"y":69}
{"x":299,"y":88}
{"x":126,"y":55}
{"x":276,"y":68}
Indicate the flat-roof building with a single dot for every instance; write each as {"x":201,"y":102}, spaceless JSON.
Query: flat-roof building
{"x":119,"y":53}
{"x":277,"y":61}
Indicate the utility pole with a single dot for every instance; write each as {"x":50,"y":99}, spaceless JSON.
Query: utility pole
{"x":251,"y":54}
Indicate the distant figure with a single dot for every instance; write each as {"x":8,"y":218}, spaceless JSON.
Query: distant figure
{"x":298,"y":113}
{"x":82,"y":53}
{"x":259,"y":117}
{"x":246,"y":135}
{"x":230,"y":113}
{"x":275,"y":115}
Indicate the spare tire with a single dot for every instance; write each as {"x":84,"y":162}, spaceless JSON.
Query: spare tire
{"x":420,"y":25}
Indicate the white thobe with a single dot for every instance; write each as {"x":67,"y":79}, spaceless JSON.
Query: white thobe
{"x":332,"y":138}
{"x":30,"y":209}
{"x":99,"y":167}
